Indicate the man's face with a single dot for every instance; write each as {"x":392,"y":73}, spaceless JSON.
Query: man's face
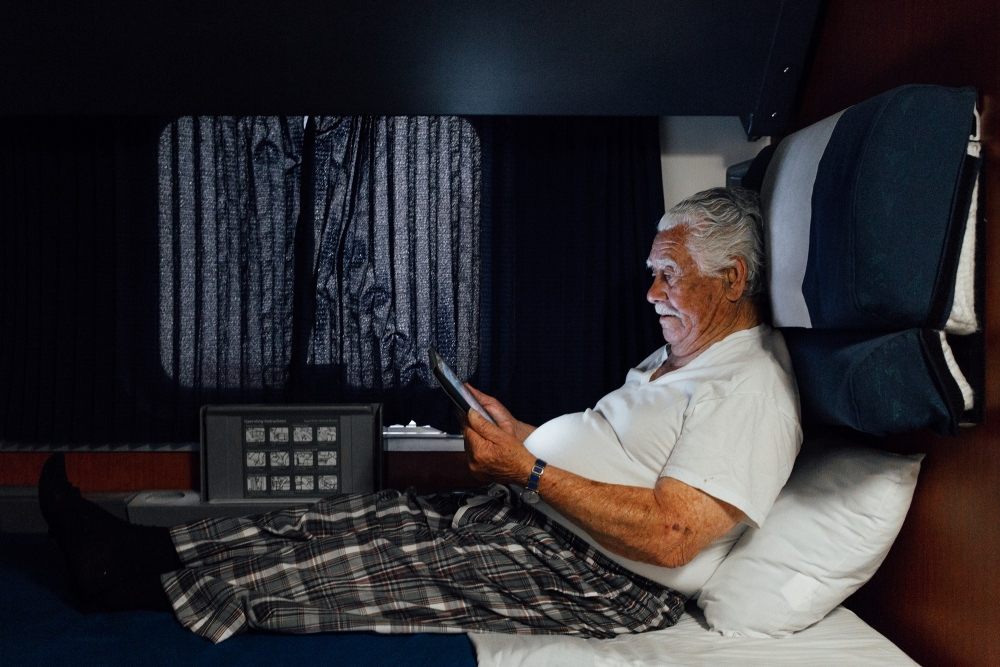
{"x":690,"y":304}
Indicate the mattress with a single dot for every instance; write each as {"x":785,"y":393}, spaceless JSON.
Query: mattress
{"x":839,"y":640}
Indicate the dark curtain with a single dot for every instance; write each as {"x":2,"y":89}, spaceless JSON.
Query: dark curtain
{"x":316,"y":262}
{"x":572,"y":212}
{"x":78,"y":303}
{"x":151,"y":267}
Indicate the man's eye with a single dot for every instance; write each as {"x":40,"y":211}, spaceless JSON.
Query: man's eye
{"x":668,"y":276}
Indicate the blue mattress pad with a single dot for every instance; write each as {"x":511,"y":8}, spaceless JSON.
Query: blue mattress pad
{"x":40,"y":626}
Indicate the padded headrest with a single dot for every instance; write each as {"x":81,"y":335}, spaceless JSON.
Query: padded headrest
{"x":870,"y":226}
{"x":870,"y":215}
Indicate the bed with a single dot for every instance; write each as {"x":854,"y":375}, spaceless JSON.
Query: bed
{"x":39,"y":626}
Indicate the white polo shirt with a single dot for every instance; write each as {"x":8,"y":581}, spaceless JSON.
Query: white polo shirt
{"x":726,"y":423}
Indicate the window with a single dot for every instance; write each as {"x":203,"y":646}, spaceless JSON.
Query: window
{"x":330,"y":253}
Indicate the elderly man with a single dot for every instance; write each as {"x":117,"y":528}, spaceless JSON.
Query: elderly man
{"x":596,"y":524}
{"x":666,"y":472}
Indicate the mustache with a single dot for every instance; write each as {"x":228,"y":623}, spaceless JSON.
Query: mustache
{"x":664,"y":309}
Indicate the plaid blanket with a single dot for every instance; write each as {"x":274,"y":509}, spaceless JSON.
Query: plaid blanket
{"x":400,"y":563}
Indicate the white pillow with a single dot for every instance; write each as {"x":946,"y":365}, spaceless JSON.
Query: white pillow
{"x":829,"y":530}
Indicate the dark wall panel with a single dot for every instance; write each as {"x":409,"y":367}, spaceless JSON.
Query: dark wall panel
{"x":357,"y":57}
{"x":936,"y":594}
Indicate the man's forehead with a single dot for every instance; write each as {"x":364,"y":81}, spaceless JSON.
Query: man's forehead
{"x":668,"y":248}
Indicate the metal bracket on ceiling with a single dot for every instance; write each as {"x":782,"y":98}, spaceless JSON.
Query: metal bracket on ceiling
{"x":793,"y":30}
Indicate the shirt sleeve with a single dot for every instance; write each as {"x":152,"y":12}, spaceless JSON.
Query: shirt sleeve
{"x":738,"y":449}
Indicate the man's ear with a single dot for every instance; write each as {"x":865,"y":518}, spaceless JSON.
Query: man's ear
{"x":735,"y":276}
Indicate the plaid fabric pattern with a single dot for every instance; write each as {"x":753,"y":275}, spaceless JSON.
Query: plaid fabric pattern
{"x":401,"y":562}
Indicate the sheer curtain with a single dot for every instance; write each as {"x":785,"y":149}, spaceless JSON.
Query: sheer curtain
{"x":228,"y":207}
{"x":317,"y":261}
{"x":395,"y":263}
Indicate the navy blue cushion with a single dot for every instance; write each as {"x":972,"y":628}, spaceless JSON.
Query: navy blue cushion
{"x":875,"y":383}
{"x":866,"y":211}
{"x":865,"y":222}
{"x":890,"y":203}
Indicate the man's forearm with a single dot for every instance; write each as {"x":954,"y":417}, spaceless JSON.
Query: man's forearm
{"x":667,"y":525}
{"x":626,"y":520}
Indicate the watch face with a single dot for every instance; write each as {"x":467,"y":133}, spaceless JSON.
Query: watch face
{"x":529,"y":496}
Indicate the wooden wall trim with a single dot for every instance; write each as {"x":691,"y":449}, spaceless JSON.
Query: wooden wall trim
{"x":107,"y":471}
{"x":97,"y":472}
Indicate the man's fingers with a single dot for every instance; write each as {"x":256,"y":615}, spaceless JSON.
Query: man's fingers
{"x":491,"y":404}
{"x":477,"y":449}
{"x":482,"y":425}
{"x":474,"y":420}
{"x":485,"y":431}
{"x":476,"y":426}
{"x":504,"y":420}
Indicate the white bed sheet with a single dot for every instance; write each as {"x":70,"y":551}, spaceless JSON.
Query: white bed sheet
{"x":839,"y":640}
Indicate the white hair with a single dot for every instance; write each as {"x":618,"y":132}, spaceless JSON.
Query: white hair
{"x":722,"y":223}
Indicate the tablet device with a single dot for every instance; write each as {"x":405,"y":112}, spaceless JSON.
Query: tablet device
{"x":452,"y":386}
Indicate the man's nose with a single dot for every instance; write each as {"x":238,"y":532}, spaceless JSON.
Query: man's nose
{"x":655,"y":292}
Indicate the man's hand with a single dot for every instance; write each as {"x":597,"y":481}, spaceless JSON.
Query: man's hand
{"x":495,"y":454}
{"x":502,"y":415}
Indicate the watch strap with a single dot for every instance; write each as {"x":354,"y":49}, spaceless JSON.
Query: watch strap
{"x":536,"y":474}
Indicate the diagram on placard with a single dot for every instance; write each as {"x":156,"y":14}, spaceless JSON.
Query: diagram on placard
{"x":290,"y":456}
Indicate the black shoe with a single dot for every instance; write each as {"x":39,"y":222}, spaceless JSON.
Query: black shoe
{"x":89,"y":538}
{"x":108,"y":559}
{"x":54,"y":488}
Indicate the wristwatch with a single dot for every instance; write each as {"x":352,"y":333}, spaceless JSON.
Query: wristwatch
{"x":530,"y":493}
